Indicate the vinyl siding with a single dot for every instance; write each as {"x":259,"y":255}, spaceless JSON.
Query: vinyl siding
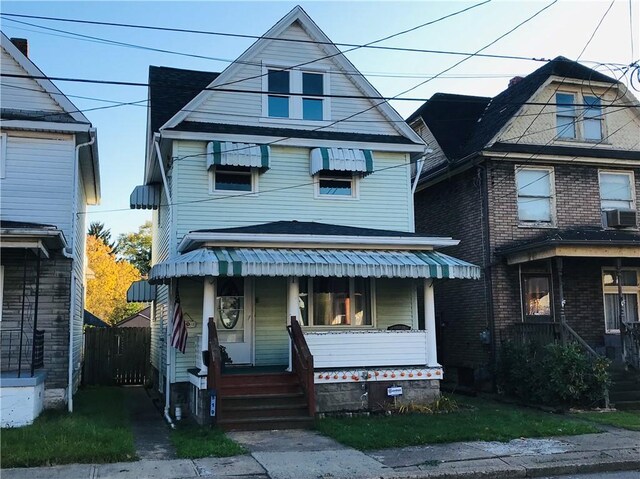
{"x":384,"y":200}
{"x":22,"y":93}
{"x":396,"y":302}
{"x":38,"y":184}
{"x":79,"y":251}
{"x":247,"y":107}
{"x":271,"y":339}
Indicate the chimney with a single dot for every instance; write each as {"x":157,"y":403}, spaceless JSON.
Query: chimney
{"x":21,"y":44}
{"x":515,"y":80}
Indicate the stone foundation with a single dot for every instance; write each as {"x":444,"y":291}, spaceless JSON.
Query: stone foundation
{"x":372,"y":396}
{"x":55,"y":398}
{"x":199,"y":405}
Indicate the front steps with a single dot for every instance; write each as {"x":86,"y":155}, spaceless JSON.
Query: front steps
{"x":262,"y":401}
{"x":624,"y":392}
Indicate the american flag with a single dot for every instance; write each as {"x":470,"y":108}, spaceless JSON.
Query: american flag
{"x":179,"y":336}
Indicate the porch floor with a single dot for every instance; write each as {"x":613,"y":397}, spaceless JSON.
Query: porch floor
{"x":229,"y":370}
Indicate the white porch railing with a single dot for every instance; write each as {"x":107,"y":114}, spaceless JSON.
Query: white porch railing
{"x":371,"y":348}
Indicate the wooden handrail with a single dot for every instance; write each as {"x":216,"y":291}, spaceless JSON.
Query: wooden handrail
{"x":580,"y":341}
{"x":302,"y":362}
{"x":214,"y":372}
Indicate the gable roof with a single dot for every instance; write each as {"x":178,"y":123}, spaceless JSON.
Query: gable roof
{"x":32,"y":70}
{"x":170,"y":89}
{"x":501,"y":108}
{"x":297,"y":14}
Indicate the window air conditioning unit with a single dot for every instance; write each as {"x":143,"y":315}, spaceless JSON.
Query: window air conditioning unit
{"x":621,"y":218}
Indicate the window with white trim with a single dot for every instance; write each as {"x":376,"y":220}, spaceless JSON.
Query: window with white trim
{"x":616,"y":190}
{"x":535,"y":190}
{"x":586,"y":123}
{"x":566,"y":115}
{"x":295,"y":94}
{"x":630,"y":285}
{"x":336,"y":184}
{"x":1,"y":290}
{"x":336,"y":302}
{"x":232,"y":179}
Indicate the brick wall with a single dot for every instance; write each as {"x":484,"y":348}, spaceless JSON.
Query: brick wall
{"x":53,"y":308}
{"x":454,"y":208}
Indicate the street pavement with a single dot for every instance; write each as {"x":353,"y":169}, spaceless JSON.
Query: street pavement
{"x":299,"y":454}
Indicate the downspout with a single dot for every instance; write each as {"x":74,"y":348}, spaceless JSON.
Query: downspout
{"x":70,"y":255}
{"x":419,"y":165}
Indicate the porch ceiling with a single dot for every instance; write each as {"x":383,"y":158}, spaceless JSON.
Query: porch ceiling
{"x":313,"y":262}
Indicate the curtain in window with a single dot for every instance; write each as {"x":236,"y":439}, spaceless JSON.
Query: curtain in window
{"x":612,"y":310}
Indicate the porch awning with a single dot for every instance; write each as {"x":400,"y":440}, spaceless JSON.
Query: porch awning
{"x":141,"y":292}
{"x":313,"y":262}
{"x":226,"y":153}
{"x":341,"y":159}
{"x":145,"y":197}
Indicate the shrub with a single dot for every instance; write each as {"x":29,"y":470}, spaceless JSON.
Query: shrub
{"x":553,"y":374}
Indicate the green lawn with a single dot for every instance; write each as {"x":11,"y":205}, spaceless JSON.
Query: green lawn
{"x":624,"y":419}
{"x":478,"y":419}
{"x":97,"y":431}
{"x":192,"y":442}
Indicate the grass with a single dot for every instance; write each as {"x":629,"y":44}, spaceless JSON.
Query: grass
{"x":98,"y":431}
{"x":623,"y":419}
{"x":192,"y":442}
{"x":477,"y":420}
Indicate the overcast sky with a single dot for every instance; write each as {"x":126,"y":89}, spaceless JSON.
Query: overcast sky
{"x":563,"y":29}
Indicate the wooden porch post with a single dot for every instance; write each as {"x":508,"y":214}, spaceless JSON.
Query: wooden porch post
{"x":430,"y":323}
{"x":621,"y":312}
{"x":563,"y":319}
{"x":293,"y":307}
{"x":208,"y":311}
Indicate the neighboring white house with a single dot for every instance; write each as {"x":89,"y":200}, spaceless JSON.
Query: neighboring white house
{"x":49,"y":173}
{"x":285,"y":199}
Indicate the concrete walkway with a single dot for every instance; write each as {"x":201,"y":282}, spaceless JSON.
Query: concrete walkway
{"x":150,"y":432}
{"x":309,"y":455}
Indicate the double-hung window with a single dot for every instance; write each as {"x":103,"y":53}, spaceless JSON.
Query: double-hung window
{"x":535,"y":195}
{"x":616,"y":190}
{"x":279,"y":87}
{"x":312,"y":86}
{"x":335,"y":302}
{"x":630,"y":286}
{"x":337,"y":184}
{"x":592,"y":123}
{"x":566,"y":115}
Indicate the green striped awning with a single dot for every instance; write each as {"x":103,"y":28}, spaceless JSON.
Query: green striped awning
{"x":313,"y":262}
{"x":226,"y":153}
{"x":341,"y":159}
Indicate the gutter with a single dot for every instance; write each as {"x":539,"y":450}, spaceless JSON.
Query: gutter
{"x":318,"y":241}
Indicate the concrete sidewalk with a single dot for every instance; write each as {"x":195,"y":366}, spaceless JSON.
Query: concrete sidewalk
{"x":309,"y":455}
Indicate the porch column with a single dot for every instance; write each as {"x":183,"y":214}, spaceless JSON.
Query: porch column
{"x":430,"y":323}
{"x":621,"y":307}
{"x":293,"y":308}
{"x":208,"y":311}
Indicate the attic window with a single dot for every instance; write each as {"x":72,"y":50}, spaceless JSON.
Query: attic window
{"x":295,"y":94}
{"x":566,"y":115}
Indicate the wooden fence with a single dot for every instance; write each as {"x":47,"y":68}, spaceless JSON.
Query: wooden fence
{"x":114,"y":356}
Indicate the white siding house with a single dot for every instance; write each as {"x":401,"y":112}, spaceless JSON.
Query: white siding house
{"x":283,"y":223}
{"x":49,"y":176}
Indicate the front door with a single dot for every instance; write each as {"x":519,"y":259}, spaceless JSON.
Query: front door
{"x":234,"y":315}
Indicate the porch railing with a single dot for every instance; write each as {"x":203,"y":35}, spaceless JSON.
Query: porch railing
{"x":302,"y":362}
{"x":214,"y":372}
{"x":21,"y":351}
{"x":538,"y":332}
{"x":631,"y":344}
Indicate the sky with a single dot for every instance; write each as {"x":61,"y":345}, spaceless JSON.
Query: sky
{"x":565,"y":29}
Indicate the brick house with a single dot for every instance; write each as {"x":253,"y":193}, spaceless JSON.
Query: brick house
{"x":540,"y":183}
{"x":49,"y":173}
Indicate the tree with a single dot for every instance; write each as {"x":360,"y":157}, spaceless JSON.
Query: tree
{"x":97,"y":229}
{"x":108,"y":283}
{"x":136,"y":248}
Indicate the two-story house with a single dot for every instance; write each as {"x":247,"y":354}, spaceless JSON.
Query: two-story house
{"x":540,"y":183}
{"x":283,"y":223}
{"x":48,"y":175}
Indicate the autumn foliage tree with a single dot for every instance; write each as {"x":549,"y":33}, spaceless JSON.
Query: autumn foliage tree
{"x":107,"y":283}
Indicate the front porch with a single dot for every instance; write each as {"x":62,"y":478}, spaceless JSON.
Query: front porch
{"x":345,"y":323}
